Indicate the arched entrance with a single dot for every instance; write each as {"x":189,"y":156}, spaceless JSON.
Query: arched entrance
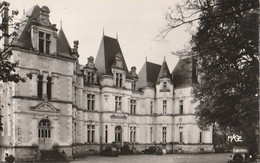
{"x":118,"y":135}
{"x":44,"y":134}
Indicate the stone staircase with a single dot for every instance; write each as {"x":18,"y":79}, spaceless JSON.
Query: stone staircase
{"x":52,"y":156}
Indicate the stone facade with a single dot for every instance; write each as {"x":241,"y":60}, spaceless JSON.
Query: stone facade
{"x":83,"y":108}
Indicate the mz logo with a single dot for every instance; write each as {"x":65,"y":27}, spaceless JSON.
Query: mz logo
{"x":234,"y":137}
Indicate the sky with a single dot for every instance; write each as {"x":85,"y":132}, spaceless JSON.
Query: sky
{"x":135,"y":22}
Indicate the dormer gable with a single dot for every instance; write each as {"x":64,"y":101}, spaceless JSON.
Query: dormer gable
{"x":118,"y":64}
{"x":43,"y":33}
{"x":90,"y":72}
{"x":164,"y":79}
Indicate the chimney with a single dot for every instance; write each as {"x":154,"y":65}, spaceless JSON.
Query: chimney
{"x":75,"y":49}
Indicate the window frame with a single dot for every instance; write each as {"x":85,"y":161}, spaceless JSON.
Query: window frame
{"x":118,"y":103}
{"x":119,"y":79}
{"x":132,"y":135}
{"x":44,"y":42}
{"x":90,"y":102}
{"x":132,"y":106}
{"x":90,"y":76}
{"x":164,"y":106}
{"x":164,"y":134}
{"x":181,"y":107}
{"x":90,"y":133}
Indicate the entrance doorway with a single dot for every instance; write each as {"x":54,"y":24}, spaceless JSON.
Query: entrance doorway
{"x":44,"y":134}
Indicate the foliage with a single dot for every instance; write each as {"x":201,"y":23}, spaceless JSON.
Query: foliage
{"x":225,"y":47}
{"x":8,"y":68}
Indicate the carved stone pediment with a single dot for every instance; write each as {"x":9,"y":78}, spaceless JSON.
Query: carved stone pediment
{"x":45,"y":107}
{"x":118,"y":116}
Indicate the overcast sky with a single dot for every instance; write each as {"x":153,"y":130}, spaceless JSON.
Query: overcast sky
{"x":137,"y":23}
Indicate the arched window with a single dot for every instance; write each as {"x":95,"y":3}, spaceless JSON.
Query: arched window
{"x":118,"y":134}
{"x":44,"y":129}
{"x":39,"y":86}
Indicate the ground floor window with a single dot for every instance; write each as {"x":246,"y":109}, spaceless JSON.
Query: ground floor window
{"x":200,"y":141}
{"x":118,"y":134}
{"x":90,"y":133}
{"x":106,"y":133}
{"x":164,"y":132}
{"x":151,"y":134}
{"x":181,"y":135}
{"x":132,"y":134}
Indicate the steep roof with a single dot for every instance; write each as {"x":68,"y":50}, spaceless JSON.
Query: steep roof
{"x":184,"y":74}
{"x":63,"y":44}
{"x":108,"y":49}
{"x":148,"y":75}
{"x":164,"y":72}
{"x":23,"y":34}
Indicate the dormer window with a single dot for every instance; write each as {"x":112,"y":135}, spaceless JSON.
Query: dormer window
{"x":44,"y":42}
{"x":119,"y":80}
{"x":134,"y":85}
{"x":90,"y":77}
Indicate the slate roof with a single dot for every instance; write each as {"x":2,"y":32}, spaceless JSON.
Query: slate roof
{"x":184,"y":74}
{"x":23,"y":38}
{"x":148,"y":75}
{"x":63,"y":44}
{"x":164,"y":72}
{"x":23,"y":34}
{"x":108,"y":49}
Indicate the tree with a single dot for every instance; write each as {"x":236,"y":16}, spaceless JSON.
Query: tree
{"x":225,"y":46}
{"x":7,"y":68}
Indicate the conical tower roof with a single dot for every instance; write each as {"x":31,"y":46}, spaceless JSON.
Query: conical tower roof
{"x":63,"y":44}
{"x":164,"y":72}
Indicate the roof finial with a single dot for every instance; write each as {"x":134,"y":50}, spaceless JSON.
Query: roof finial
{"x":145,"y":58}
{"x":103,"y":31}
{"x":116,"y":35}
{"x":60,"y":24}
{"x":164,"y":58}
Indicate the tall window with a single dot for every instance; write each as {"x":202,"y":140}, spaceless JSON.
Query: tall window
{"x":119,"y":80}
{"x":106,"y":133}
{"x":90,"y":77}
{"x":44,"y":42}
{"x":90,"y":133}
{"x":181,"y":106}
{"x":118,"y":134}
{"x":49,"y":79}
{"x":151,"y":134}
{"x":75,"y":94}
{"x":200,"y":141}
{"x":44,"y":129}
{"x":164,"y":106}
{"x":151,"y":107}
{"x":118,"y":102}
{"x":39,"y":86}
{"x":164,"y":132}
{"x":132,"y":134}
{"x":90,"y":102}
{"x":132,"y":106}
